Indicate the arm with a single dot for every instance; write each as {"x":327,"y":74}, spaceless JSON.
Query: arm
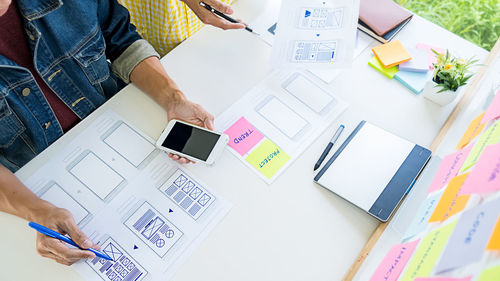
{"x":18,"y":200}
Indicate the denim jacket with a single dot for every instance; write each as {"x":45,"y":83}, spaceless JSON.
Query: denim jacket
{"x":72,"y":46}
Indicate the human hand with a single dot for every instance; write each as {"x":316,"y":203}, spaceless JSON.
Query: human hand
{"x":209,"y":18}
{"x":62,"y":221}
{"x":187,"y":111}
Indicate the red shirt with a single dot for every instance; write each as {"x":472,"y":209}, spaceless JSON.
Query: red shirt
{"x":14,"y":46}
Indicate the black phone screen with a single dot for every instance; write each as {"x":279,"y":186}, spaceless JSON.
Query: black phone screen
{"x":191,"y":141}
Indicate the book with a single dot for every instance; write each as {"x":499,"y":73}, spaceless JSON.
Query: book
{"x":382,"y":16}
{"x":382,"y":39}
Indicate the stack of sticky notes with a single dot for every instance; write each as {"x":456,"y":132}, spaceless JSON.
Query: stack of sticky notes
{"x":410,"y":67}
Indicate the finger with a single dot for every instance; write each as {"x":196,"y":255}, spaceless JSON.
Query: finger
{"x":241,"y":21}
{"x":209,"y":123}
{"x":175,"y":157}
{"x":60,"y":249}
{"x":56,"y":258}
{"x":183,"y":161}
{"x":70,"y":227}
{"x":222,"y":23}
{"x":219,"y":6}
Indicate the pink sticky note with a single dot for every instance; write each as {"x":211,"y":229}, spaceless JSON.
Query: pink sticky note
{"x":449,"y":168}
{"x":493,"y":111}
{"x":431,"y":55}
{"x":468,"y":278}
{"x":243,"y":136}
{"x":485,"y":176}
{"x":392,"y":265}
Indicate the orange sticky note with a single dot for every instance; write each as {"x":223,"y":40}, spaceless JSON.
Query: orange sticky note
{"x":474,"y":129}
{"x":391,"y":54}
{"x":450,"y":203}
{"x":494,"y":243}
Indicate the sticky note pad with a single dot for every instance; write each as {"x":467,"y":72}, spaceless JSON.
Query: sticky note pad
{"x":490,"y":136}
{"x":415,"y":81}
{"x":268,"y":158}
{"x":473,"y":130}
{"x":449,"y":168}
{"x":450,"y":203}
{"x":468,"y":278}
{"x":468,"y":241}
{"x":427,"y":253}
{"x":493,"y":111}
{"x":392,"y":265}
{"x":418,"y":63}
{"x":389,"y":72}
{"x":243,"y":136}
{"x":485,"y":175}
{"x":431,"y":57}
{"x":422,"y":215}
{"x":391,"y":54}
{"x":490,"y":274}
{"x":494,"y":242}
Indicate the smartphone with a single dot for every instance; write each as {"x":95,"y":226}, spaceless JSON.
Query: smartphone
{"x":192,"y":142}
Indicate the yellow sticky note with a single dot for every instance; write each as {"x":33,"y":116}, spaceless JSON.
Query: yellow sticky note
{"x":490,"y":136}
{"x":490,"y":274}
{"x":450,"y":202}
{"x":474,"y":129}
{"x":268,"y":158}
{"x":494,"y":243}
{"x":427,"y":253}
{"x":391,"y":54}
{"x":389,"y":72}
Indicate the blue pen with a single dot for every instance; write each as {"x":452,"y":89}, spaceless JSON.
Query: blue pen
{"x":51,"y":233}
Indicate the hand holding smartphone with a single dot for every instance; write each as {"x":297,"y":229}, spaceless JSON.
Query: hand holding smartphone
{"x":192,"y":142}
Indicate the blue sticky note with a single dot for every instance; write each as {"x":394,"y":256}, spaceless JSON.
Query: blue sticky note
{"x":470,"y":237}
{"x":419,"y":61}
{"x":415,"y":81}
{"x":422,"y":216}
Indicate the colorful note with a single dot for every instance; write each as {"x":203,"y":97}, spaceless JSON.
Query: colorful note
{"x":422,"y":216}
{"x":490,"y":274}
{"x":268,"y":158}
{"x":391,"y":53}
{"x":490,"y":136}
{"x":493,"y":111}
{"x":418,"y":62}
{"x":391,"y":267}
{"x":494,"y":242}
{"x":415,"y":81}
{"x":468,"y":278}
{"x":451,"y":202}
{"x":473,"y":130}
{"x":243,"y":136}
{"x":431,"y":56}
{"x":485,"y":175}
{"x":449,"y":168}
{"x":468,"y":241}
{"x":388,"y":72}
{"x":427,"y":253}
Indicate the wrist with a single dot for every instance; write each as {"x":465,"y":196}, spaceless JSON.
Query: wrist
{"x":39,"y":211}
{"x":172,"y":97}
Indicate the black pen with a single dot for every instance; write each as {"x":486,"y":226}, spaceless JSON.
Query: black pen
{"x":329,"y":146}
{"x":224,"y":16}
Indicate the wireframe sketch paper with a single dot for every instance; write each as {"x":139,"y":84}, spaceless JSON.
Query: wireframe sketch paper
{"x":277,"y":120}
{"x":315,"y":33}
{"x":146,"y":212}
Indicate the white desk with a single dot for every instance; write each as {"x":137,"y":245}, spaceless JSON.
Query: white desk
{"x":293,"y":229}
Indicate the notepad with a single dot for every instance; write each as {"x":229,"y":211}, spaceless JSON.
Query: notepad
{"x":388,"y":72}
{"x":391,"y":54}
{"x":418,"y":63}
{"x":415,"y":81}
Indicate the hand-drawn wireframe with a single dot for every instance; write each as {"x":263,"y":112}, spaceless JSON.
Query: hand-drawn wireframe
{"x":319,"y":18}
{"x":184,"y":191}
{"x":314,"y":51}
{"x":309,"y":93}
{"x":56,"y":195}
{"x":152,"y":227}
{"x":282,"y":117}
{"x":122,"y":268}
{"x":96,"y":175}
{"x":129,"y":144}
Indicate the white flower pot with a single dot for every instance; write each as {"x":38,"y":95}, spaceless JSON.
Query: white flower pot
{"x":431,"y":90}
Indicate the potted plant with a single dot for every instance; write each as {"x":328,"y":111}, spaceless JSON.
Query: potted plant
{"x":450,"y":74}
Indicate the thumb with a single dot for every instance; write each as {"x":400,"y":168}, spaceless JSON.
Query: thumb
{"x":219,"y":6}
{"x":77,"y":235}
{"x":209,"y":123}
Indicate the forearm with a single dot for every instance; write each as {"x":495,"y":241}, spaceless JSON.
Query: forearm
{"x":17,"y":199}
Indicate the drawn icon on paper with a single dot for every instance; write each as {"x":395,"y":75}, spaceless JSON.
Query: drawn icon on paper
{"x":180,"y":180}
{"x":170,"y":233}
{"x":152,"y":227}
{"x":307,"y":14}
{"x":125,"y":261}
{"x":130,"y":266}
{"x":204,"y":199}
{"x":112,"y":251}
{"x":195,"y":193}
{"x":124,"y":273}
{"x":118,"y":268}
{"x":188,"y":187}
{"x":160,"y":243}
{"x":112,"y":275}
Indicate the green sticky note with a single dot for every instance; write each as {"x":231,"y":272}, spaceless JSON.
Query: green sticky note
{"x":428,"y":252}
{"x":389,"y":72}
{"x":490,"y":136}
{"x":490,"y":274}
{"x":268,"y":158}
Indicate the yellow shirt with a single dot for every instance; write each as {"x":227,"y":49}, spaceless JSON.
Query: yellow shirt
{"x":164,"y":23}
